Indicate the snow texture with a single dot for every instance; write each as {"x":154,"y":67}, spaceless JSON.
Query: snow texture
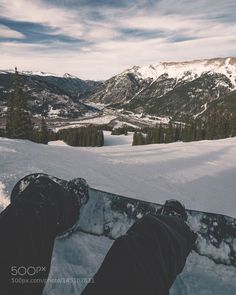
{"x":83,"y":122}
{"x":4,"y":201}
{"x":200,"y":174}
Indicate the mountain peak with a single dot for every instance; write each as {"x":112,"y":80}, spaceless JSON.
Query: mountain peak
{"x":67,"y":75}
{"x":188,"y":69}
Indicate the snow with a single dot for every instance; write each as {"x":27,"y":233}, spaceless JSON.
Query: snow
{"x":99,"y":120}
{"x":67,"y":75}
{"x":4,"y":201}
{"x":53,"y":113}
{"x":76,"y":258}
{"x":97,"y":105}
{"x":197,"y":278}
{"x":204,"y":109}
{"x":70,"y":263}
{"x":201,"y":174}
{"x":221,"y":252}
{"x":155,"y":119}
{"x":117,"y":140}
{"x":120,"y":124}
{"x":38,"y":73}
{"x":57,"y":143}
{"x":188,"y":70}
{"x":150,"y":119}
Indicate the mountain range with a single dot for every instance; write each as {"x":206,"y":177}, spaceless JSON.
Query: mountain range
{"x":173,"y":89}
{"x":59,"y":95}
{"x":178,"y":90}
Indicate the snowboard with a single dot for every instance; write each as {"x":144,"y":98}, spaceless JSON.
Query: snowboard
{"x":211,"y":267}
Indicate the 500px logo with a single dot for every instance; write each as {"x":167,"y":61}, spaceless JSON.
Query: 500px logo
{"x":29,"y":270}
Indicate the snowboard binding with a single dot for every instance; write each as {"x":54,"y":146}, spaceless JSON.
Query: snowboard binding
{"x":174,"y":208}
{"x":68,"y":197}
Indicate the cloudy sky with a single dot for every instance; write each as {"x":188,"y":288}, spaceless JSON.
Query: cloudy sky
{"x":95,"y":39}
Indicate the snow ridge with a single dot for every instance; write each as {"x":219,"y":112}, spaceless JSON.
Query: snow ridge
{"x":188,"y":70}
{"x":39,"y":73}
{"x":4,"y":200}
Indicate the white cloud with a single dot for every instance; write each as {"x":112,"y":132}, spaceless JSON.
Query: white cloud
{"x":6,"y":32}
{"x":160,"y":22}
{"x":195,"y":27}
{"x":111,"y":57}
{"x":60,"y":19}
{"x":108,"y":50}
{"x":99,"y":33}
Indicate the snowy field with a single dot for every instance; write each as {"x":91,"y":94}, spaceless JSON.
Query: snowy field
{"x":200,"y":174}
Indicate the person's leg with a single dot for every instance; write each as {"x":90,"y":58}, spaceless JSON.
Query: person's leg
{"x":146,"y":260}
{"x":28,"y":227}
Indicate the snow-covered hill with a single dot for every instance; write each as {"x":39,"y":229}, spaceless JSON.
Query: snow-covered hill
{"x":200,"y":174}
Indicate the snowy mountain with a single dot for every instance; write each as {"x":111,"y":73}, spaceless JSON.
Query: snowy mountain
{"x":189,"y":70}
{"x":176,"y":89}
{"x":29,"y":73}
{"x":59,"y":95}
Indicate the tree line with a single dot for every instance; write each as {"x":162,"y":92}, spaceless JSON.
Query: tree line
{"x":217,"y":126}
{"x":83,"y":136}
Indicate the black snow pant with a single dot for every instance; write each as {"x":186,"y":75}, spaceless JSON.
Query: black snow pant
{"x":144,"y":261}
{"x":27,"y":233}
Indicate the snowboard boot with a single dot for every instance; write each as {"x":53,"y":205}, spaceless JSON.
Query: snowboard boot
{"x":174,"y":208}
{"x":64,"y":197}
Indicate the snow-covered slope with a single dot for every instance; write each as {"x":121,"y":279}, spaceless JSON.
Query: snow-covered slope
{"x":201,"y":174}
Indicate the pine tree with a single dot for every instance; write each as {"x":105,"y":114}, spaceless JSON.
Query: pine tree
{"x":177,"y":133}
{"x":135,"y":138}
{"x":161,"y":134}
{"x":211,"y":132}
{"x":139,"y":139}
{"x":19,"y":124}
{"x":169,"y":133}
{"x":44,"y":133}
{"x":232,"y":124}
{"x":226,"y":126}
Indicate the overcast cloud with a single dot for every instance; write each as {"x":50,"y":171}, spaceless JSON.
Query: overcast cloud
{"x":97,"y":39}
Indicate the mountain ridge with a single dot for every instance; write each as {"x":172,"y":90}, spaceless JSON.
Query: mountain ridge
{"x":144,"y":89}
{"x":55,"y":96}
{"x":178,"y":90}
